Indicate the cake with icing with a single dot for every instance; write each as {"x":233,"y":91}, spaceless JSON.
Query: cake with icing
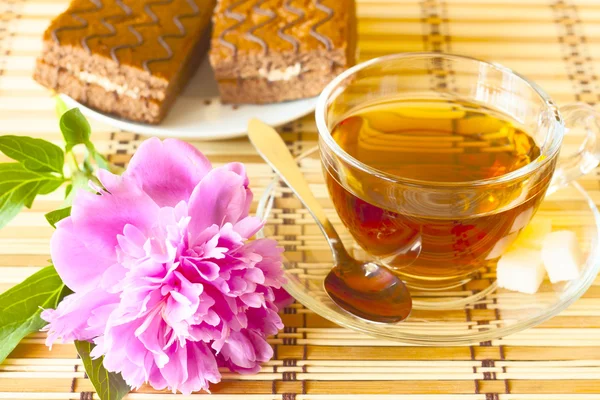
{"x":130,"y":59}
{"x":265,"y":51}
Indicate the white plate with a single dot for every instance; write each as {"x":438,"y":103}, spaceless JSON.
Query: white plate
{"x":199,"y":114}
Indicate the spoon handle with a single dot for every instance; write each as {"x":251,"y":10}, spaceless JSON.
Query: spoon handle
{"x":274,"y":151}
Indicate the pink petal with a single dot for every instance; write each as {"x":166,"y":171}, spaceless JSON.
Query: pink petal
{"x":253,"y":299}
{"x":175,"y":371}
{"x":98,"y":220}
{"x":244,"y":351}
{"x":206,"y":269}
{"x":124,"y":355}
{"x":202,"y":368}
{"x":132,"y":241}
{"x":109,"y":180}
{"x":211,"y":249}
{"x":270,"y":263}
{"x":169,"y":170}
{"x":184,"y":303}
{"x":71,"y":319}
{"x":221,"y":197}
{"x":152,"y":337}
{"x":239,"y":351}
{"x":262,"y":349}
{"x":135,"y":375}
{"x":204,"y":333}
{"x":254,"y":275}
{"x":240,"y":169}
{"x":282,"y":299}
{"x":248,"y":227}
{"x":79,"y":264}
{"x":264,"y":319}
{"x":99,"y":317}
{"x":155,"y":378}
{"x":228,"y":238}
{"x":205,"y":236}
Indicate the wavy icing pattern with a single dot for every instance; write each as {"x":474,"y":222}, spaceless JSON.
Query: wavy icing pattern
{"x":182,"y":33}
{"x":250,"y":34}
{"x":82,"y":21}
{"x":241,"y":18}
{"x":281,"y":32}
{"x":133,"y":29}
{"x":313,"y":29}
{"x":104,"y":21}
{"x":126,"y":11}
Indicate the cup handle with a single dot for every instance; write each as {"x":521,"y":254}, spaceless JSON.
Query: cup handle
{"x":587,"y":157}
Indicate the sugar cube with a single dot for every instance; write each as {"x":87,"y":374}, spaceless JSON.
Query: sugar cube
{"x":562,"y":256}
{"x":534,"y":234}
{"x":521,"y":270}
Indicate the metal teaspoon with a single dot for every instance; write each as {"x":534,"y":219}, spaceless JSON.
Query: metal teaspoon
{"x":366,"y":290}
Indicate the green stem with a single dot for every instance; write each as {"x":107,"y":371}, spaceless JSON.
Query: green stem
{"x":73,"y":164}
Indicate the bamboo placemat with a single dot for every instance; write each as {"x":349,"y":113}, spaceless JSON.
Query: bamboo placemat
{"x":555,"y":43}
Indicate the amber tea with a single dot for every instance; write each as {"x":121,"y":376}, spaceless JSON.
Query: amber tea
{"x":438,"y":142}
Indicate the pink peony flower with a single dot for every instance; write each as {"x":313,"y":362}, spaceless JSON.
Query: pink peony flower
{"x":165,"y":282}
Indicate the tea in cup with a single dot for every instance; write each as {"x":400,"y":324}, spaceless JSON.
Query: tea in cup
{"x":435,"y":163}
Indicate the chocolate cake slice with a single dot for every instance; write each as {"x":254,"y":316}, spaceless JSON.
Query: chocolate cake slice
{"x":265,"y":51}
{"x":128,"y":58}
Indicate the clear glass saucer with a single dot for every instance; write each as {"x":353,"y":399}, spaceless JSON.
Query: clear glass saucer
{"x":474,"y":312}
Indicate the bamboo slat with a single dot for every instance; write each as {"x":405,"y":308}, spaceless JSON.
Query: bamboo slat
{"x":554,"y":42}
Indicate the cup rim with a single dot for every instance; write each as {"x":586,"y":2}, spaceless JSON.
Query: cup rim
{"x":549,"y":148}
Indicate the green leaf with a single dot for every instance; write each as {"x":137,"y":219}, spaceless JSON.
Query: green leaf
{"x":28,"y":201}
{"x":35,"y":154}
{"x":75,"y":128}
{"x":63,"y":293}
{"x":68,"y":190}
{"x":61,"y":106}
{"x":21,"y":306}
{"x":108,"y":385}
{"x":19,"y":186}
{"x":54,"y":216}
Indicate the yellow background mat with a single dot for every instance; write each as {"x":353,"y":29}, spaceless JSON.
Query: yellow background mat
{"x":555,"y":43}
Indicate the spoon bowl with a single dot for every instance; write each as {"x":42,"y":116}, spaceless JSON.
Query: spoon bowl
{"x":369,"y":291}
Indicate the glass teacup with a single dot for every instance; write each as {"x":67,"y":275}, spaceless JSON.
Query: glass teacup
{"x":436,"y":162}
